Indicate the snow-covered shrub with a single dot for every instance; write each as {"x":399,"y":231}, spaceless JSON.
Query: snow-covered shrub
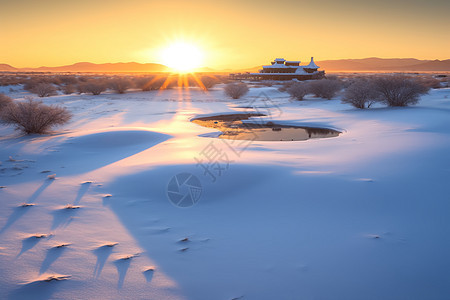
{"x":325,"y":88}
{"x":268,"y":83}
{"x":286,"y":85}
{"x":236,"y":90}
{"x":68,"y":89}
{"x":11,"y":80}
{"x":208,"y":81}
{"x":44,"y":89}
{"x":143,"y":83}
{"x":95,"y":87}
{"x":430,"y":82}
{"x":33,"y":116}
{"x":298,"y":90}
{"x":120,"y":85}
{"x":149,"y":83}
{"x":399,"y":90}
{"x":4,"y":101}
{"x":361,"y":93}
{"x":67,"y":79}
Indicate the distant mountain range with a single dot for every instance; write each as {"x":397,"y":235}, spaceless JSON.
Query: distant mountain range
{"x":385,"y":64}
{"x":373,"y":64}
{"x":91,"y":67}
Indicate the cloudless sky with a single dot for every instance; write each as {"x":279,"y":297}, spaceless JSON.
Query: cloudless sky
{"x":233,"y":33}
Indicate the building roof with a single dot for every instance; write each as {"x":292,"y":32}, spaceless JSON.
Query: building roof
{"x":277,"y":66}
{"x":279,"y":59}
{"x":312,"y":65}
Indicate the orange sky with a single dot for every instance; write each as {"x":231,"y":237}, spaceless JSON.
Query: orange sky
{"x":232,"y":33}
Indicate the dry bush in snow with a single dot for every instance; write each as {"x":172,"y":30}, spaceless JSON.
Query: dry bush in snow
{"x":298,"y":90}
{"x":68,"y":89}
{"x":31,"y":83}
{"x":81,"y":88}
{"x":399,"y":90}
{"x":286,"y":85}
{"x":67,"y":79}
{"x":11,"y":80}
{"x":361,"y":93}
{"x":44,"y":89}
{"x":33,"y":116}
{"x":94,"y":87}
{"x":268,"y":83}
{"x":209,"y":81}
{"x":150,"y":83}
{"x":236,"y":90}
{"x":4,"y":101}
{"x":430,"y":82}
{"x":142,"y":83}
{"x":325,"y":88}
{"x":120,"y":85}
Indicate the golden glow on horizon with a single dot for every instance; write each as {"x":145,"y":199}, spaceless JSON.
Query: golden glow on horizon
{"x":182,"y":56}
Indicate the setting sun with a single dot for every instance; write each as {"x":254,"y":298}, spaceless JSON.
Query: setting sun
{"x":182,"y":57}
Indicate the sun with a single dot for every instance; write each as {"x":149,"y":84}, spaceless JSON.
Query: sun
{"x":182,"y":57}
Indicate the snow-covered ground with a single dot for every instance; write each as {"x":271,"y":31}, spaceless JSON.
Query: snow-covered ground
{"x":361,"y":216}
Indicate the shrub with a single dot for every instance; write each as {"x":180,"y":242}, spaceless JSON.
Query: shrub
{"x":68,"y":89}
{"x":142,"y":83}
{"x":268,"y":83}
{"x":236,"y":90}
{"x":30,"y":84}
{"x":298,"y":90}
{"x":120,"y":85}
{"x":4,"y":101}
{"x":95,"y":87}
{"x":399,"y":90}
{"x":33,"y":116}
{"x":150,"y":83}
{"x":430,"y":82}
{"x":44,"y":89}
{"x":81,"y":88}
{"x":10,"y":80}
{"x":361,"y":93}
{"x":325,"y":88}
{"x":209,"y":82}
{"x":286,"y":85}
{"x":67,"y":79}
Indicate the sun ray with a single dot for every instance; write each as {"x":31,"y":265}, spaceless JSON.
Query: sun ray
{"x":199,"y":82}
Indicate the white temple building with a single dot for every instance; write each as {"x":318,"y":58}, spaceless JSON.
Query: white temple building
{"x":281,"y":69}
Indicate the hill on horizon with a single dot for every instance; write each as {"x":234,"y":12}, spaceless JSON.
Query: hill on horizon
{"x":385,"y":64}
{"x":92,"y":67}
